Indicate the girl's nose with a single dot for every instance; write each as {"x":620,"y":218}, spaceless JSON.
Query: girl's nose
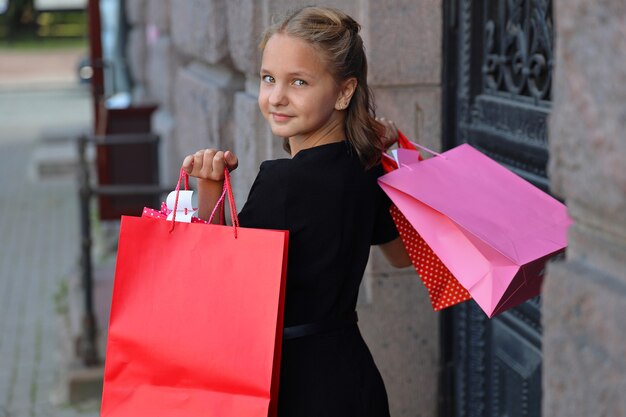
{"x":278,"y":96}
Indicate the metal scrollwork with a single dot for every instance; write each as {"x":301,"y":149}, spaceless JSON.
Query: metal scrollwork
{"x":500,"y":92}
{"x":518,"y":45}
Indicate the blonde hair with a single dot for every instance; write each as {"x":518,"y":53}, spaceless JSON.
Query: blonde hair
{"x":336,"y":36}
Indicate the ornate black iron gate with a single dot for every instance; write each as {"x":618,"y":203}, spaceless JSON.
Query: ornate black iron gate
{"x":497,"y":94}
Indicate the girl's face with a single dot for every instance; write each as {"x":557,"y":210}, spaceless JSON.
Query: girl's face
{"x":298,"y":96}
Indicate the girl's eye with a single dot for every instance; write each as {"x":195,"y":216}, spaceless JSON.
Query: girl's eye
{"x":299,"y":82}
{"x":268,"y":79}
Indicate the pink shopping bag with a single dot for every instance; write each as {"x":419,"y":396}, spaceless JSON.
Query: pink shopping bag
{"x":492,"y":229}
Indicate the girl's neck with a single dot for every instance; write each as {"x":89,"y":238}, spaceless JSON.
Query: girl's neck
{"x":331,"y":133}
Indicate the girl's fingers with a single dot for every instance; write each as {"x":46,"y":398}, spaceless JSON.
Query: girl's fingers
{"x":188,"y":164}
{"x":209,"y":164}
{"x":198,"y":163}
{"x":231,"y":160}
{"x":218,"y":166}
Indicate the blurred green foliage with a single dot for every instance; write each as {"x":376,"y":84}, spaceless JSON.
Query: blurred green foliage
{"x":21,"y":25}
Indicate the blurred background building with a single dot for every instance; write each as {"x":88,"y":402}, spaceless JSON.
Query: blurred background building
{"x":538,"y":85}
{"x":43,"y":107}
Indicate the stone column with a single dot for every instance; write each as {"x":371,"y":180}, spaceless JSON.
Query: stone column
{"x":205,"y":84}
{"x":403,"y":41}
{"x":584,"y":297}
{"x":162,"y":63}
{"x":404,"y":50}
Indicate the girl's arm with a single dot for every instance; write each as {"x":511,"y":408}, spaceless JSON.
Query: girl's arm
{"x":207,"y":165}
{"x":394,"y":251}
{"x":396,"y":254}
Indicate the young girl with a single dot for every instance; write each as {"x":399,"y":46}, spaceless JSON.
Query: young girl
{"x":314,"y":94}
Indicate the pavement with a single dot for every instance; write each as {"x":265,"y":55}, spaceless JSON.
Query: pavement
{"x":40,"y":105}
{"x":43,"y":69}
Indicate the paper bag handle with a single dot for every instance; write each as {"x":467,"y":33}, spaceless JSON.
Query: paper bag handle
{"x":182,"y":175}
{"x":404,"y":142}
{"x":227,"y":191}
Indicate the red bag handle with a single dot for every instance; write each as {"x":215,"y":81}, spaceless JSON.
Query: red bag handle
{"x":388,"y":163}
{"x":404,"y":143}
{"x":181,"y":175}
{"x":227,"y":191}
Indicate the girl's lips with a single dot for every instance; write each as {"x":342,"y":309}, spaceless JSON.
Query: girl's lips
{"x":279,"y":117}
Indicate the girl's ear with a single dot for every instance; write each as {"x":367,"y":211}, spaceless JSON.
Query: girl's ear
{"x":348,"y":87}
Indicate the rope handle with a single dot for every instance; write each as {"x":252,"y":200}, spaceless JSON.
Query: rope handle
{"x":181,"y":176}
{"x":226,"y":192}
{"x":404,"y":142}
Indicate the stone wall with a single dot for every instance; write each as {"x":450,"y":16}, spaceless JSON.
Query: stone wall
{"x":198,"y":59}
{"x":583,"y":299}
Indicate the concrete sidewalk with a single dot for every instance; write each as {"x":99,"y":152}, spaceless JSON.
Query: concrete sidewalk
{"x":39,"y":251}
{"x":39,"y":227}
{"x":39,"y":69}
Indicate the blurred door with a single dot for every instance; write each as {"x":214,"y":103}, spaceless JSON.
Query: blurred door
{"x":498,"y":91}
{"x":129,"y":164}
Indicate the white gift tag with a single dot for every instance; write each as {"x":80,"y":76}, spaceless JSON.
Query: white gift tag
{"x":184,"y":210}
{"x":394,"y":155}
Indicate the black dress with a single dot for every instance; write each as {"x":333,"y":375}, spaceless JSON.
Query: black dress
{"x":334,"y":210}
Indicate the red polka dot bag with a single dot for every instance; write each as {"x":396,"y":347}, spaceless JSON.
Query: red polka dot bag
{"x":443,"y":288}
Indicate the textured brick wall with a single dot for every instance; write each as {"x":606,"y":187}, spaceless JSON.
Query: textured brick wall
{"x":198,"y":59}
{"x":584,"y":297}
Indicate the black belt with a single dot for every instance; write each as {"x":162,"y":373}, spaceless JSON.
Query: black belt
{"x":324,"y":326}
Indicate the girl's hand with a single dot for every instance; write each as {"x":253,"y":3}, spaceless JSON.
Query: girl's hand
{"x":209,"y":164}
{"x":391,"y":132}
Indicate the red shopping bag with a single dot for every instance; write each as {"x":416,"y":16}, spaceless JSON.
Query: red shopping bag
{"x":196,"y":320}
{"x":443,"y":288}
